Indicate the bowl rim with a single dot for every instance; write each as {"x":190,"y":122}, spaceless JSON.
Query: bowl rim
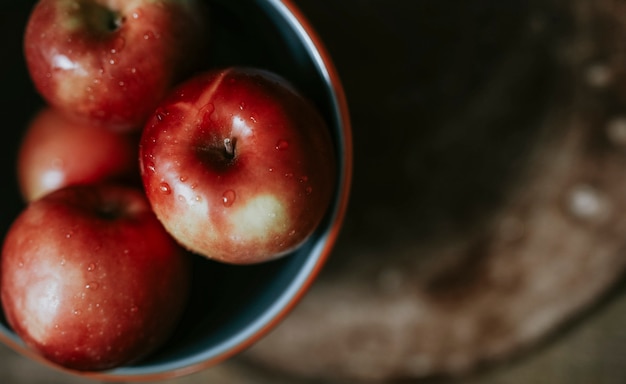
{"x":326,"y":67}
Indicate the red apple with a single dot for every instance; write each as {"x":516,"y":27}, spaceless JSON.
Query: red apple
{"x":111,"y":60}
{"x":238,"y":166}
{"x":90,"y":279}
{"x":57,"y":151}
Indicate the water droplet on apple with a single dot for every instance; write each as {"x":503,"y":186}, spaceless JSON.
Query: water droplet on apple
{"x":161,"y":113}
{"x":303,"y":179}
{"x":118,"y":45}
{"x":228,"y":198}
{"x":182,"y":179}
{"x":165,"y":188}
{"x":282,"y":145}
{"x":181,"y":198}
{"x":588,"y":203}
{"x":242,"y":106}
{"x":112,"y":61}
{"x":148,"y":35}
{"x":206,"y":113}
{"x":133,"y":70}
{"x":271,"y":169}
{"x":308,"y":190}
{"x":289,"y":174}
{"x":93,"y":286}
{"x":76,"y":312}
{"x":253,"y":119}
{"x":136,"y":14}
{"x":91,"y":267}
{"x":151,"y":167}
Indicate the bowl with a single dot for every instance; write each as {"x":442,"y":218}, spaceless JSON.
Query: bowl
{"x":231,"y":306}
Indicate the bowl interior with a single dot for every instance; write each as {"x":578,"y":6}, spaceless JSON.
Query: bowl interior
{"x":230,"y":305}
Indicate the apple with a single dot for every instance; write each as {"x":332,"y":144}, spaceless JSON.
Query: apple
{"x":57,"y":151}
{"x":89,"y":278}
{"x":237,"y":165}
{"x":112,"y":60}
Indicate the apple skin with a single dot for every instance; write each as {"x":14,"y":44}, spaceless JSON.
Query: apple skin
{"x":90,"y":280}
{"x":112,"y":61}
{"x":258,"y":203}
{"x":57,"y":151}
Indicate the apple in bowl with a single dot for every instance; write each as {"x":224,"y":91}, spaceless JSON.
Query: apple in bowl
{"x":89,"y":278}
{"x":238,"y":166}
{"x":112,"y":61}
{"x":57,"y":151}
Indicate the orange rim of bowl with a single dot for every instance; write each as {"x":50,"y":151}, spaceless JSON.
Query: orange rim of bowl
{"x":327,"y":67}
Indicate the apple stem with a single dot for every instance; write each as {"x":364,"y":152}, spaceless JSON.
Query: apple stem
{"x":229,"y":146}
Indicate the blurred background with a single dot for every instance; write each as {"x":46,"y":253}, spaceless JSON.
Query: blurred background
{"x":485,"y":238}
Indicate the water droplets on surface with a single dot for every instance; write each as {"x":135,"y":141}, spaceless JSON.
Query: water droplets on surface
{"x":92,"y":286}
{"x":616,"y":131}
{"x":91,"y":267}
{"x":148,"y":35}
{"x":161,"y":114}
{"x":165,"y":188}
{"x":308,"y":190}
{"x":282,"y":145}
{"x":118,"y":45}
{"x":206,"y":113}
{"x":586,"y":202}
{"x":228,"y":198}
{"x":599,"y":75}
{"x":151,"y":166}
